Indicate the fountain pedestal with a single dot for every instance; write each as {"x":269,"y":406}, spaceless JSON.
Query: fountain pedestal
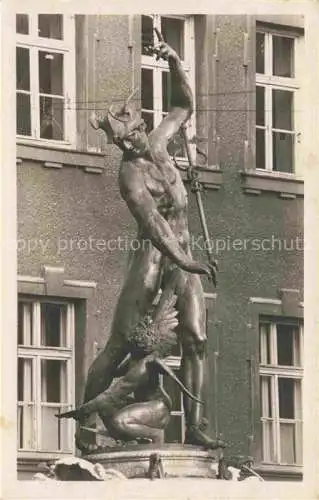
{"x":177,"y":460}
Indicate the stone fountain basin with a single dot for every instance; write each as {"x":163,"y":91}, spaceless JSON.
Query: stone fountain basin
{"x":178,"y":460}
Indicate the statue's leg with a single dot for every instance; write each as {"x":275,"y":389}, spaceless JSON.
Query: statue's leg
{"x":141,"y":420}
{"x":101,"y":372}
{"x":99,"y":377}
{"x":192,"y":331}
{"x":136,"y":297}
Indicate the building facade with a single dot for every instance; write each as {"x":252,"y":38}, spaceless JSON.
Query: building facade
{"x":247,"y":136}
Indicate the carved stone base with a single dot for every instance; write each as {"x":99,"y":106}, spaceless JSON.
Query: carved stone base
{"x":177,"y":460}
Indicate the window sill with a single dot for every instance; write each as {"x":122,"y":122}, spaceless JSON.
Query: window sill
{"x":258,"y":181}
{"x":211,"y":177}
{"x":31,"y":461}
{"x":66,"y":288}
{"x":45,"y":143}
{"x":54,"y":157}
{"x":276,"y":472}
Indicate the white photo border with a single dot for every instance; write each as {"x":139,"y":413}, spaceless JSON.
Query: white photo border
{"x":168,"y":489}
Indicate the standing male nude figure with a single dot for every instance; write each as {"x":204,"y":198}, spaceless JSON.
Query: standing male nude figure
{"x":154,"y":192}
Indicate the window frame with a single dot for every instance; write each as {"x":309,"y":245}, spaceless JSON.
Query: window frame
{"x":274,"y":371}
{"x":37,"y":353}
{"x":66,"y":47}
{"x":291,"y":84}
{"x":188,"y":63}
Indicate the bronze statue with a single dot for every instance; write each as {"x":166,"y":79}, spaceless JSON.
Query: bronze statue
{"x":155,"y":194}
{"x":146,"y":414}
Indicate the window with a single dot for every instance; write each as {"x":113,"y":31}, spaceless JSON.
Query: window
{"x":277,"y":101}
{"x":45,"y":77}
{"x":281,"y":392}
{"x":175,"y":431}
{"x":45,"y":375}
{"x":178,"y":32}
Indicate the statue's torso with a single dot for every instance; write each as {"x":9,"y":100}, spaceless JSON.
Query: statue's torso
{"x":164,"y":183}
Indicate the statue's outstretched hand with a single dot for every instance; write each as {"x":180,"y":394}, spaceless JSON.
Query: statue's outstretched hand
{"x":164,"y":51}
{"x":210,"y":270}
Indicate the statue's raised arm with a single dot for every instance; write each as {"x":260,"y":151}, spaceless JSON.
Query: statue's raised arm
{"x":181,"y":98}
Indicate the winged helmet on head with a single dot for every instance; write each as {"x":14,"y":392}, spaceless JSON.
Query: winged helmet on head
{"x":118,"y":123}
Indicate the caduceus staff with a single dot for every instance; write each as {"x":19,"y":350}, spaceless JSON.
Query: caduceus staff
{"x":192,"y":177}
